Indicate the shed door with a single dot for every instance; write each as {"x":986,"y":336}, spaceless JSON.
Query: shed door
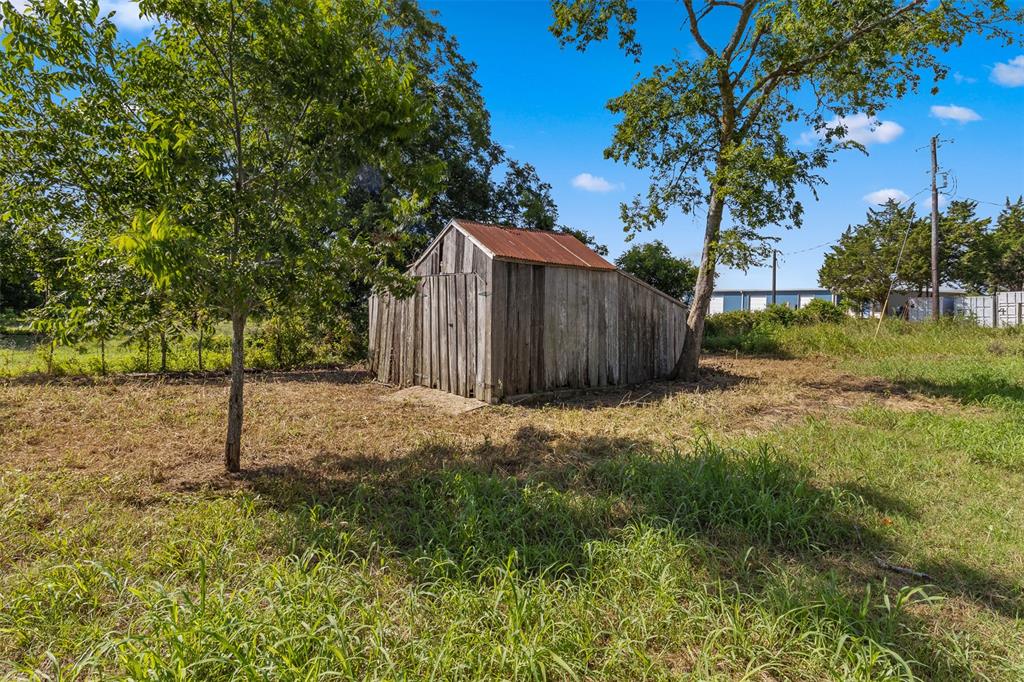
{"x":450,"y":352}
{"x":758,"y":302}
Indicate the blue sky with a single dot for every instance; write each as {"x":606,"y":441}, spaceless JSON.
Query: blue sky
{"x":548,"y":108}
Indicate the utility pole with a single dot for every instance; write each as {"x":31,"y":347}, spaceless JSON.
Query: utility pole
{"x":775,"y":267}
{"x":935,"y":231}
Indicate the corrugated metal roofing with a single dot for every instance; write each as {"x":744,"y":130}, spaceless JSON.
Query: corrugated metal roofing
{"x":534,"y":246}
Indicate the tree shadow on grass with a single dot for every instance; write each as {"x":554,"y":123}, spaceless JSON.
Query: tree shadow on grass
{"x":538,"y":509}
{"x":977,"y":389}
{"x":647,"y":393}
{"x":332,"y":375}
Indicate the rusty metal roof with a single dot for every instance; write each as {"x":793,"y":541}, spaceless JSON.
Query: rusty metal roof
{"x":534,"y":246}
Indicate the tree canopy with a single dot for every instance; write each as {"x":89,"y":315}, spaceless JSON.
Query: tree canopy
{"x":711,"y":129}
{"x":246,"y":157}
{"x":972,"y":255}
{"x":654,"y":263}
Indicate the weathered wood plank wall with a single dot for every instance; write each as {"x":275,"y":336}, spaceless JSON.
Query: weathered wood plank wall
{"x":492,"y":329}
{"x":433,"y":337}
{"x":556,"y":327}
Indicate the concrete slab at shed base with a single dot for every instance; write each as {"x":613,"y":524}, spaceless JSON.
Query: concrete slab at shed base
{"x":449,"y":403}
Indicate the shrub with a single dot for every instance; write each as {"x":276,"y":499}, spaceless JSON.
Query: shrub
{"x":821,"y":311}
{"x":733,"y":323}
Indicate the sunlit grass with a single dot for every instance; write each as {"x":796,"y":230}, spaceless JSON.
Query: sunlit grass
{"x":567,"y":542}
{"x":704,"y":564}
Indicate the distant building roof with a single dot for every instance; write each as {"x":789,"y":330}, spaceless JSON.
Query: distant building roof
{"x":533,"y":246}
{"x":769,"y":291}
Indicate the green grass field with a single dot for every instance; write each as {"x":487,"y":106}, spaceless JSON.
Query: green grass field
{"x":761,"y":525}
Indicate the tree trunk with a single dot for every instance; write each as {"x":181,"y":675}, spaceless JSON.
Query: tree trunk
{"x":199,"y":348}
{"x":688,"y":364}
{"x":163,"y":352}
{"x":233,"y":442}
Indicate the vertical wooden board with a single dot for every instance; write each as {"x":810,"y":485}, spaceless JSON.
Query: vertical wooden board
{"x":471,"y":335}
{"x":416,"y":335}
{"x":571,"y":328}
{"x":468,"y":260}
{"x":486,"y":342}
{"x":398,"y":342}
{"x":385,"y":351}
{"x":595,"y":301}
{"x":662,"y":312}
{"x":437,"y":329}
{"x":428,"y":331}
{"x":482,"y":340}
{"x":413,"y":334}
{"x":600,"y":331}
{"x":526,"y":301}
{"x":554,"y":289}
{"x":549,"y":343}
{"x":625,"y":330}
{"x":578,"y":323}
{"x":460,"y":251}
{"x":405,"y":341}
{"x":499,"y":328}
{"x":371,"y":342}
{"x":511,"y":329}
{"x":451,"y":296}
{"x":644,"y":347}
{"x":460,"y":335}
{"x":481,"y":265}
{"x":442,"y":333}
{"x":448,"y":252}
{"x":564,"y":355}
{"x":424,"y":332}
{"x":611,"y":321}
{"x":681,"y":326}
{"x":388,"y":350}
{"x":513,"y":347}
{"x":585,"y":333}
{"x":537,"y":320}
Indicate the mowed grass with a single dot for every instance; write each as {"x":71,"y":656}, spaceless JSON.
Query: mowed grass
{"x":743,"y":528}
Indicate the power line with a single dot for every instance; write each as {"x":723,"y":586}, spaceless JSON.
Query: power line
{"x":902,"y":204}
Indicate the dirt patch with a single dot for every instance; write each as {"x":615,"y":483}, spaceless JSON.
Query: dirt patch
{"x":169,"y":433}
{"x":434,"y":400}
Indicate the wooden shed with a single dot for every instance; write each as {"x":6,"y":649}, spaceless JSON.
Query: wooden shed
{"x":500,"y":312}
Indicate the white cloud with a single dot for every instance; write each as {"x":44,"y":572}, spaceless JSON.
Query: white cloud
{"x":960,"y":78}
{"x":126,"y":14}
{"x":1010,"y":74}
{"x":593,"y":183}
{"x":859,"y":128}
{"x":880,"y":196}
{"x":954,"y":113}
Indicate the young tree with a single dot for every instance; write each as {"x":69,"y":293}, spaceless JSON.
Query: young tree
{"x":966,"y":252}
{"x":244,"y":128}
{"x":1008,"y":247}
{"x":261,"y":118}
{"x":860,"y":266}
{"x":655,"y":264}
{"x":524,"y":200}
{"x":710,"y":130}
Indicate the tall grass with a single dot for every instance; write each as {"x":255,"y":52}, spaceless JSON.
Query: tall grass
{"x":706,"y":564}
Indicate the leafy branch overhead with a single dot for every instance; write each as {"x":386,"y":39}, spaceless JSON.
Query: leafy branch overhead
{"x":714,"y":130}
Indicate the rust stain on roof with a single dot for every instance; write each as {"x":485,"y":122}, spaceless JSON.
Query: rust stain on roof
{"x":534,"y":246}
